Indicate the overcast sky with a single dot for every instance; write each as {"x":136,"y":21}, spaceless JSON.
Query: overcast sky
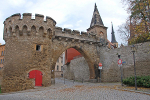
{"x":73,"y":14}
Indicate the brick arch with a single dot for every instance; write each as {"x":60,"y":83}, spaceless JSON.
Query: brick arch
{"x":83,"y":53}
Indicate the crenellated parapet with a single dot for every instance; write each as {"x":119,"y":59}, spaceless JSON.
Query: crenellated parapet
{"x":15,"y":26}
{"x":26,"y":27}
{"x":75,"y":35}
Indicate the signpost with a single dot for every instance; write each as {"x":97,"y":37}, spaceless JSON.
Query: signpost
{"x":100,"y":67}
{"x":120,"y":64}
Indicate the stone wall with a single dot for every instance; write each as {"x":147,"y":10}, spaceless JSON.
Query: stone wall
{"x":109,"y":58}
{"x":78,"y":69}
{"x":36,"y":44}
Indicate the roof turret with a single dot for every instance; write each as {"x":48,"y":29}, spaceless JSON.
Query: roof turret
{"x":96,"y":19}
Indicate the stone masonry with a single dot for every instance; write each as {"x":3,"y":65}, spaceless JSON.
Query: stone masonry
{"x":77,"y":70}
{"x":36,"y":44}
{"x":109,"y":58}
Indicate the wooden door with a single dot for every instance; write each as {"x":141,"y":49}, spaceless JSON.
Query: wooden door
{"x":37,"y":75}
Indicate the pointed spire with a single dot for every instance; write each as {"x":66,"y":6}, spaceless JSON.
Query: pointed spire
{"x":95,"y":8}
{"x":113,"y":39}
{"x":96,"y":19}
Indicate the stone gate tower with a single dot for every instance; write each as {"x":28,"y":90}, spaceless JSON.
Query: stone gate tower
{"x":28,"y":47}
{"x":35,"y":44}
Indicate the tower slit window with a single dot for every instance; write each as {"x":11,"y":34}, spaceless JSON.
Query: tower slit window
{"x":38,"y":47}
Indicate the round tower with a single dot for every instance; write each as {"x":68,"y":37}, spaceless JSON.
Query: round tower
{"x":28,"y":47}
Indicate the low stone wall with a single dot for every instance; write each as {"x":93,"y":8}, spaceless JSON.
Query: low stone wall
{"x":78,"y":69}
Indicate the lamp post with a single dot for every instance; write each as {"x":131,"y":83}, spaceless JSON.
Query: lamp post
{"x":133,"y":48}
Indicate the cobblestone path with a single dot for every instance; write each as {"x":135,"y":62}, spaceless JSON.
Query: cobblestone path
{"x":76,"y":91}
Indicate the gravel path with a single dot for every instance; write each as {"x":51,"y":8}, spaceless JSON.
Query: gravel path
{"x":76,"y":91}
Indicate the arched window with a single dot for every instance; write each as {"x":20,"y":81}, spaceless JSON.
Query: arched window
{"x":41,"y":30}
{"x":17,"y":29}
{"x":24,"y":30}
{"x":10,"y":31}
{"x":49,"y":32}
{"x":33,"y":30}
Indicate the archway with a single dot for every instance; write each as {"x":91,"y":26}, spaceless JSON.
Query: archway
{"x":84,"y":52}
{"x":37,"y":75}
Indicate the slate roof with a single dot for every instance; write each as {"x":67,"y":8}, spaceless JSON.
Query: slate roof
{"x":96,"y":19}
{"x":113,"y":39}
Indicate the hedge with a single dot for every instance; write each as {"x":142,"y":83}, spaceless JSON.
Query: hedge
{"x":142,"y":81}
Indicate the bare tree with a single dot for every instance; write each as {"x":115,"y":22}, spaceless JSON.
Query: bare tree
{"x":124,"y":31}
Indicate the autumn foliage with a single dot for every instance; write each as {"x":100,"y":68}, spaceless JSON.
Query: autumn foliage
{"x":138,"y":22}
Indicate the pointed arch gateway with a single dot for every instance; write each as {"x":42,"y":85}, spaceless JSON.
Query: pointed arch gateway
{"x":89,"y":55}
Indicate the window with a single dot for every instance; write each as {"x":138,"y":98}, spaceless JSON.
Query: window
{"x":2,"y":53}
{"x":38,"y":47}
{"x":61,"y":59}
{"x":61,"y":68}
{"x":58,"y":60}
{"x":1,"y":61}
{"x":57,"y":67}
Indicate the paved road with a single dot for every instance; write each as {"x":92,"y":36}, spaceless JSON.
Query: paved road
{"x":76,"y":91}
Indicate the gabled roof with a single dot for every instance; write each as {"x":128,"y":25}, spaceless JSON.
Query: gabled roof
{"x":96,"y":19}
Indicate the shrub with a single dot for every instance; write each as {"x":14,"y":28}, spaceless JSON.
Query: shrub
{"x":142,"y":81}
{"x":0,"y":89}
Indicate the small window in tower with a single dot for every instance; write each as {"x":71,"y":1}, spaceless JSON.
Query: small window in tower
{"x":38,"y":47}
